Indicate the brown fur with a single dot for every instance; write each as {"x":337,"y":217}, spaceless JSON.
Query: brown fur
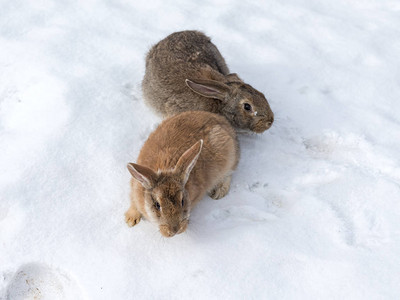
{"x":191,"y":57}
{"x":165,"y":162}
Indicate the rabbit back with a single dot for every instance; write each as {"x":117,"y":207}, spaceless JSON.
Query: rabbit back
{"x":181,"y":55}
{"x":218,"y":158}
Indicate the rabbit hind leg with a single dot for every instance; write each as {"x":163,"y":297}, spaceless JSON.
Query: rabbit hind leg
{"x":221,"y":189}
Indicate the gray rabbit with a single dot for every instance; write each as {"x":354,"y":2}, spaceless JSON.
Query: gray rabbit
{"x":185,"y":71}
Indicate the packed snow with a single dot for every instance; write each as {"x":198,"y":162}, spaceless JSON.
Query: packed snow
{"x":314,"y":207}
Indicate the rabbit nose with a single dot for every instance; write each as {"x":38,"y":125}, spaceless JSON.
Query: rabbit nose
{"x":172,"y":230}
{"x":169,"y":230}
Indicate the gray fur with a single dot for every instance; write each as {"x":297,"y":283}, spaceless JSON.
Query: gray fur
{"x":185,"y":71}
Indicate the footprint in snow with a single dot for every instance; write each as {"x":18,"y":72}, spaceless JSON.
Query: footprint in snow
{"x":243,"y":212}
{"x":39,"y":281}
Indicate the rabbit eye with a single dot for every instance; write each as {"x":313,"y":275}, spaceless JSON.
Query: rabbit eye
{"x":247,"y":106}
{"x":183,"y":202}
{"x":157,"y":205}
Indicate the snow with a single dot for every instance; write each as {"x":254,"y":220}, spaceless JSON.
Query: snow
{"x":314,"y":207}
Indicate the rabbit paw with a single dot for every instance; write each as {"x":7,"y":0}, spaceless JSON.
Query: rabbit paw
{"x":221,"y":189}
{"x":132,"y":217}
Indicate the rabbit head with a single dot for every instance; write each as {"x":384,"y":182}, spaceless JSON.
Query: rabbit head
{"x":166,"y":201}
{"x":244,"y":106}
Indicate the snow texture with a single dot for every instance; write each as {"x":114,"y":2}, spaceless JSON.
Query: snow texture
{"x":314,"y":207}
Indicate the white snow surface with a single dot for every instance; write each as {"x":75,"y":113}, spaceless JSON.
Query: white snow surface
{"x":314,"y":207}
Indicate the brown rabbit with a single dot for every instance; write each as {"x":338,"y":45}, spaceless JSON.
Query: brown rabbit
{"x":185,"y":71}
{"x":188,"y":155}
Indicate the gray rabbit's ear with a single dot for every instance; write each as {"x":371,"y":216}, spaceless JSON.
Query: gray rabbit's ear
{"x":208,"y":88}
{"x":188,"y":160}
{"x":142,"y":174}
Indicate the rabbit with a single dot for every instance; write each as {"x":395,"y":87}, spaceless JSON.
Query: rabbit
{"x":185,"y":71}
{"x":188,"y":155}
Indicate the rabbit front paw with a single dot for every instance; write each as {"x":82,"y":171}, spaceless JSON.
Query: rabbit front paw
{"x":132,"y":217}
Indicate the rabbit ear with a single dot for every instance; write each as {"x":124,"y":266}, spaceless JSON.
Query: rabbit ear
{"x":208,"y":88}
{"x":188,"y":160}
{"x":142,"y":174}
{"x":233,"y":77}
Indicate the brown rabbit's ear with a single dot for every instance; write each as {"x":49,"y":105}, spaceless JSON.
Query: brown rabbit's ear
{"x":233,"y":77}
{"x":142,"y":174}
{"x":208,"y":88}
{"x":188,"y":160}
